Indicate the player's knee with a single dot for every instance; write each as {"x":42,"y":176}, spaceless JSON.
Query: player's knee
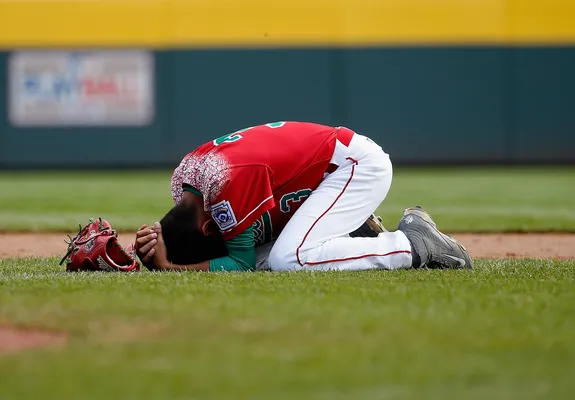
{"x":282,"y":257}
{"x":276,"y":259}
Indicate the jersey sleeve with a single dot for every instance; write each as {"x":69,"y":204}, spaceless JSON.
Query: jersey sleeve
{"x":241,"y":254}
{"x":246,"y":196}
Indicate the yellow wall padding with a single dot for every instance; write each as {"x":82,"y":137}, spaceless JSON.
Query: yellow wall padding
{"x":256,"y":23}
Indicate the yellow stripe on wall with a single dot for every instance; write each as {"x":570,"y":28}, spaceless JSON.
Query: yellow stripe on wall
{"x":336,"y":22}
{"x":209,"y":23}
{"x":541,"y":21}
{"x":79,"y":23}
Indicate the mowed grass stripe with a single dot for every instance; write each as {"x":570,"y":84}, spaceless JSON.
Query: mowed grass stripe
{"x":460,"y":199}
{"x":502,"y":331}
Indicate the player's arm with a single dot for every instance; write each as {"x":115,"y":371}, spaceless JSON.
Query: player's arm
{"x":241,"y":256}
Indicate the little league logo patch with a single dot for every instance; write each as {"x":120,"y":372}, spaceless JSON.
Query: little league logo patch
{"x":224,"y":216}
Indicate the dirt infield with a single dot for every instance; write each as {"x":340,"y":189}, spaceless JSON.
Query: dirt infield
{"x":557,"y":246}
{"x":14,"y":340}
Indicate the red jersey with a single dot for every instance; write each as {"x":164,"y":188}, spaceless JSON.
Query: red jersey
{"x":259,"y":176}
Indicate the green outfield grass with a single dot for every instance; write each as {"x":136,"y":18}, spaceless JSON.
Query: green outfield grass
{"x":460,"y":199}
{"x":501,"y":331}
{"x":504,"y":330}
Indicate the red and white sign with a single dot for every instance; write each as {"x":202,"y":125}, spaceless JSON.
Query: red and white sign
{"x":55,"y":88}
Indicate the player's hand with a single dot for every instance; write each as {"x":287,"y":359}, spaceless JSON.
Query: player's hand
{"x":146,"y":239}
{"x":160,"y":255}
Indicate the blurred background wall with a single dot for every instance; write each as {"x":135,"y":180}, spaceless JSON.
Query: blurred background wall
{"x":113,"y":83}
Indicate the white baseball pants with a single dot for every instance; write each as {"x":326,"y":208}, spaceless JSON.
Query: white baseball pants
{"x":317,"y":236}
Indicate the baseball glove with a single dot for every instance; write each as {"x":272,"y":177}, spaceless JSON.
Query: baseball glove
{"x":370,"y":228}
{"x":96,"y":248}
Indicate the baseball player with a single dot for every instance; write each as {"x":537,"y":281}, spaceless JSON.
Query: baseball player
{"x":304,"y":186}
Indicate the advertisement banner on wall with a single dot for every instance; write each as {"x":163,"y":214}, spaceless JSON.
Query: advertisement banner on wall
{"x":93,"y":88}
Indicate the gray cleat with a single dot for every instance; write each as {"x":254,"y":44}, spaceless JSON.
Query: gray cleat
{"x":431,"y":248}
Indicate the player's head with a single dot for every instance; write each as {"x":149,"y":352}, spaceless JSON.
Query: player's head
{"x":190,"y":237}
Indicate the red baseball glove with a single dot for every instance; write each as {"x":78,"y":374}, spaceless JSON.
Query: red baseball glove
{"x":96,"y":248}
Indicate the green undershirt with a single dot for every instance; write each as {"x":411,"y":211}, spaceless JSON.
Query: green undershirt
{"x":241,"y":254}
{"x":241,"y":249}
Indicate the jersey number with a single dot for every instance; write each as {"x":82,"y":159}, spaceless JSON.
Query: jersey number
{"x":235,"y":136}
{"x":298,"y":196}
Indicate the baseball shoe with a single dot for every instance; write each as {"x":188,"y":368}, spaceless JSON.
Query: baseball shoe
{"x":431,"y":248}
{"x":370,"y":228}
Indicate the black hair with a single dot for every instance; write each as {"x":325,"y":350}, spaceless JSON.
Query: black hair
{"x":185,"y":242}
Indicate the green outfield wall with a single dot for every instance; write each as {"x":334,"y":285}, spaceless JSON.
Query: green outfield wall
{"x":433,"y":82}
